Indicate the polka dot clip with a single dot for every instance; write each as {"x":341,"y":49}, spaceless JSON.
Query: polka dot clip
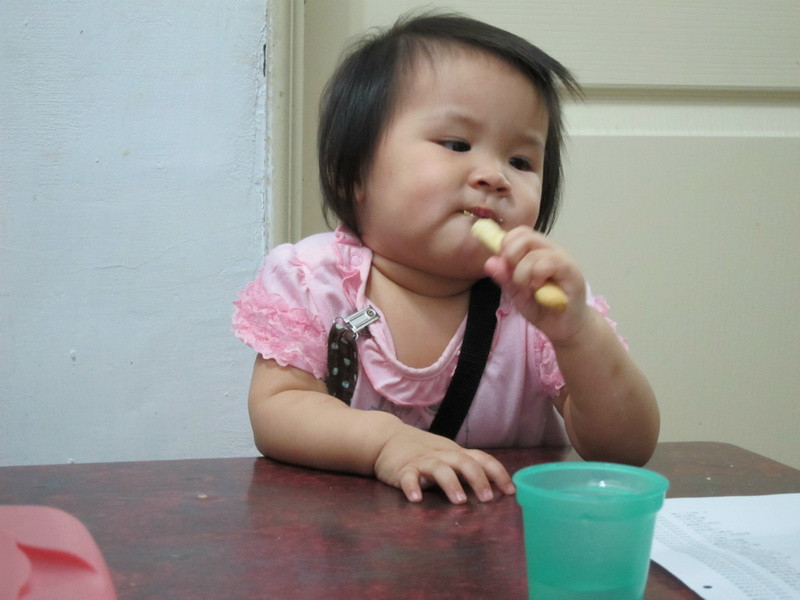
{"x":343,"y":352}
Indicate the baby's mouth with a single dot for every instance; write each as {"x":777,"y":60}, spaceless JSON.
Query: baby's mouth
{"x":482,"y":212}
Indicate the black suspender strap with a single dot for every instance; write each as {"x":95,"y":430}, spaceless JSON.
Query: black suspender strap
{"x":481,"y":322}
{"x":484,"y":299}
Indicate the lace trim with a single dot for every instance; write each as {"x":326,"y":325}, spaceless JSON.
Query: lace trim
{"x":290,"y":336}
{"x":545,"y":355}
{"x":349,"y":260}
{"x":408,"y":386}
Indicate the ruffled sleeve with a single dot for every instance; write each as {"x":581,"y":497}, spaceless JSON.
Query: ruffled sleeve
{"x":545,"y":356}
{"x":276,"y":314}
{"x":285,"y":313}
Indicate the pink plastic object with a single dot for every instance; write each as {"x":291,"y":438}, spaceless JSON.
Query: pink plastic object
{"x":47,"y":554}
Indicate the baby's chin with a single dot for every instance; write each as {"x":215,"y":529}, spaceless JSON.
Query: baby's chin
{"x":463,"y":273}
{"x":455,"y":270}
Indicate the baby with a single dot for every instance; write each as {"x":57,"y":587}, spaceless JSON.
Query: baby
{"x":360,"y":332}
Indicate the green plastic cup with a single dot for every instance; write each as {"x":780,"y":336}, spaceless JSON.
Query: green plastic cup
{"x":588,"y":529}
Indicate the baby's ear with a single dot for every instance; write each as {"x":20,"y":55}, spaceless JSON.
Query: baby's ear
{"x":358,"y":193}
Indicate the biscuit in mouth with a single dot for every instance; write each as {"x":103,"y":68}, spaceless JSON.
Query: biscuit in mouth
{"x":481,"y":212}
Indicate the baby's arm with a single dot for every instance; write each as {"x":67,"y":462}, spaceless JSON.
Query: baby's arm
{"x":609,"y":408}
{"x":296,"y":421}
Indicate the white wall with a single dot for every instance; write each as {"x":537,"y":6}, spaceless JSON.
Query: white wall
{"x":132,"y":192}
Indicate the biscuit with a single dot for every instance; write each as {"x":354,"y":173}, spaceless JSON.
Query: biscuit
{"x":491,"y":235}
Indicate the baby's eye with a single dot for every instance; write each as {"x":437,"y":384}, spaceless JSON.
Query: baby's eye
{"x":456,"y":145}
{"x":522,"y":164}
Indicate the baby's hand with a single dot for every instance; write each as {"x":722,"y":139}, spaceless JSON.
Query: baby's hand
{"x":526,"y":261}
{"x":412,"y":459}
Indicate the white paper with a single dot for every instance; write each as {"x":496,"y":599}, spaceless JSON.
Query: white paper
{"x":732,"y":547}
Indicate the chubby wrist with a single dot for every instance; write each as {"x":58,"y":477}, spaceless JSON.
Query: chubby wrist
{"x":377,"y":429}
{"x":592,"y":327}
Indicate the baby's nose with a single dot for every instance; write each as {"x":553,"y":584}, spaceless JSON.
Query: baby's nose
{"x":490,"y":178}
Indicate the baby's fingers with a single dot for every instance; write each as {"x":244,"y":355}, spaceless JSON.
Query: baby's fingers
{"x":410,"y":484}
{"x":475,"y":468}
{"x":535,"y":268}
{"x":495,"y":471}
{"x":447,"y":479}
{"x":472,"y":473}
{"x":439,"y":473}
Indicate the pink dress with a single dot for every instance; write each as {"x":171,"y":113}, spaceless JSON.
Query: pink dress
{"x":286,"y":312}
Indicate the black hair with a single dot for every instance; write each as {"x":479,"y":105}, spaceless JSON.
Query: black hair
{"x":359,"y":100}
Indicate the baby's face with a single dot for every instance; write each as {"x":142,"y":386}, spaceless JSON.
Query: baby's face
{"x":466,"y":139}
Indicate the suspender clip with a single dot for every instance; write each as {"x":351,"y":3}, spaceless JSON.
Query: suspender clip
{"x":360,"y":320}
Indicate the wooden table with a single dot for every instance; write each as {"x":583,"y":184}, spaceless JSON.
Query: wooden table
{"x":241,"y":528}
